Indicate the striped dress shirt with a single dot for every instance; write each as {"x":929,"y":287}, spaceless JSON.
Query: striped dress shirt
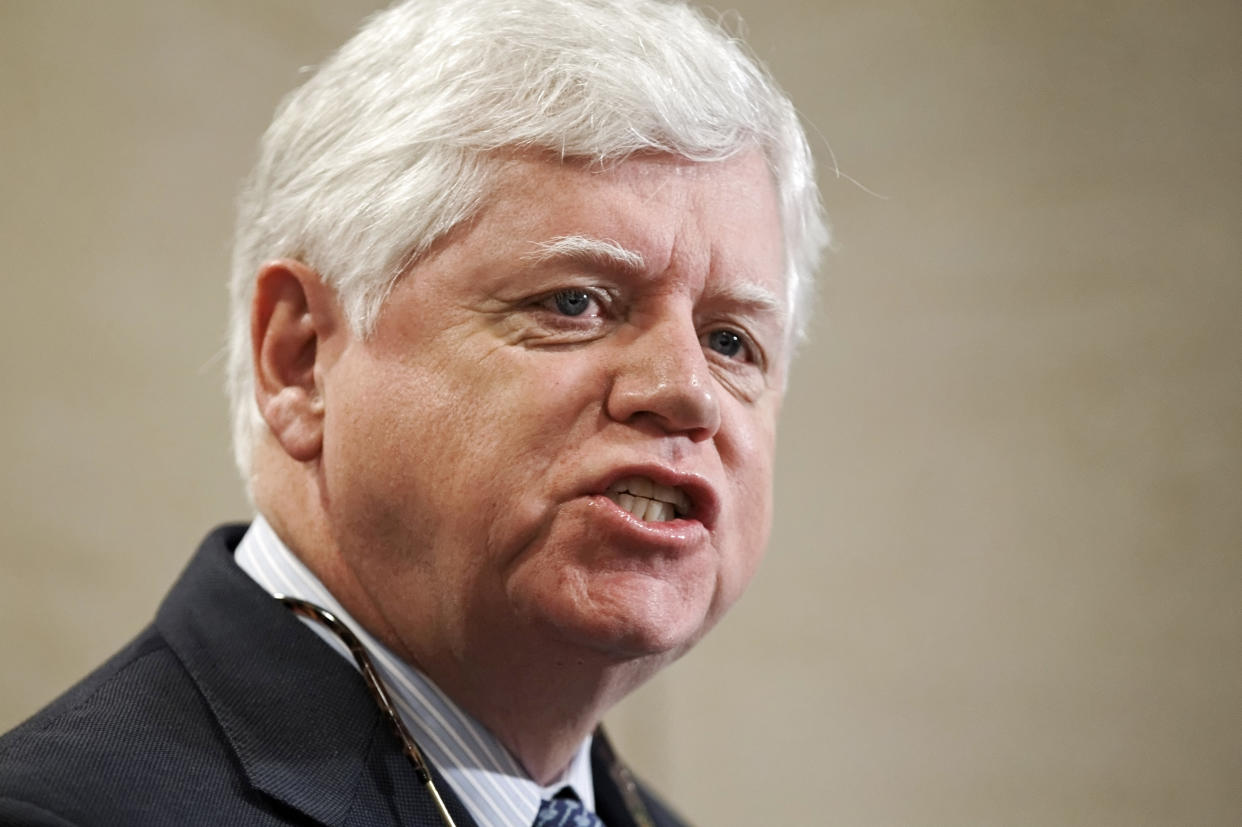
{"x":484,"y":775}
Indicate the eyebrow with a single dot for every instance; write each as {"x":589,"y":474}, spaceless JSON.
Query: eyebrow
{"x":751,"y":295}
{"x":597,"y":251}
{"x":608,"y":253}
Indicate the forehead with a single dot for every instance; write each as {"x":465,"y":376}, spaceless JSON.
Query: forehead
{"x":716,"y":224}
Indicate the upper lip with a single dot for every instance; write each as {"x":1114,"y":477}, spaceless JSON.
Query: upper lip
{"x":704,"y":502}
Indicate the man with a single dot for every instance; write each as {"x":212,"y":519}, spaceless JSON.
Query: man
{"x":516,"y":285}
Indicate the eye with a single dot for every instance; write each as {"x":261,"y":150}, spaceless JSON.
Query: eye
{"x":727,"y":343}
{"x":575,"y":308}
{"x":571,"y":302}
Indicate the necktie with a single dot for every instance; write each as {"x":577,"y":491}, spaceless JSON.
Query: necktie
{"x":565,"y":812}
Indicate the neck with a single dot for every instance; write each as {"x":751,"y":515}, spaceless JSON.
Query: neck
{"x":540,"y":704}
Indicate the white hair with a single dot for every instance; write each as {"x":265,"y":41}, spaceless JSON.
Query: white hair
{"x":390,"y":144}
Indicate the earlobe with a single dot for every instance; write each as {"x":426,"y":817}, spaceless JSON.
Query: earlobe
{"x":292,"y":317}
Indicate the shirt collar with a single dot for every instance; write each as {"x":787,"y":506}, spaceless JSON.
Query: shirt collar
{"x":485,"y":776}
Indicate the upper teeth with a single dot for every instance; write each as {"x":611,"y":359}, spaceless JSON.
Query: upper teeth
{"x":648,"y":500}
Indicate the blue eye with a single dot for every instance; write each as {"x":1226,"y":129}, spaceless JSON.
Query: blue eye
{"x":572,"y":302}
{"x":725,"y":342}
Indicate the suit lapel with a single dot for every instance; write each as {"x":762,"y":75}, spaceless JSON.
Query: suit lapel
{"x":617,"y":800}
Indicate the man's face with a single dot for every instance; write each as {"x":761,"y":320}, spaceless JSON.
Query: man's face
{"x":562,"y":428}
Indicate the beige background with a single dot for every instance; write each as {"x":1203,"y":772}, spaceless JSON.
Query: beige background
{"x":1006,"y":585}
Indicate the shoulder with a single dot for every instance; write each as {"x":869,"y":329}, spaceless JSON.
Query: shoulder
{"x":122,"y":738}
{"x":138,"y":742}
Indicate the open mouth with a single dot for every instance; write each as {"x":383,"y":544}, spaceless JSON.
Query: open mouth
{"x":648,"y":500}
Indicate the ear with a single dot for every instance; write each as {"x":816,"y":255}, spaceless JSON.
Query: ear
{"x":292,"y":317}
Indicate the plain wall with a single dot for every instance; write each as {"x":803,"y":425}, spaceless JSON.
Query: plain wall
{"x":1005,"y":585}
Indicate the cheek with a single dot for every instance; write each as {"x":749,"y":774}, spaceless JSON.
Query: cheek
{"x":531,"y":400}
{"x":464,"y":441}
{"x":747,"y":457}
{"x":747,"y":451}
{"x":751,"y":532}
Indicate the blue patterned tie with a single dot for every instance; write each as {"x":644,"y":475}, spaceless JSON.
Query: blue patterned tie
{"x":566,"y":812}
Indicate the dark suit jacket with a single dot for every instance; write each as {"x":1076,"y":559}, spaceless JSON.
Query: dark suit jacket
{"x":227,"y":710}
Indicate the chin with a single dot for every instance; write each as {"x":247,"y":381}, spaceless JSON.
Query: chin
{"x":626,"y":615}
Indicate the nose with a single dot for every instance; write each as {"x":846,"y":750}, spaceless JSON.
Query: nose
{"x":663,"y":378}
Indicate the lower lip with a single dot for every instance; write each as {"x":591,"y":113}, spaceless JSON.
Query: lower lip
{"x":674,"y":535}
